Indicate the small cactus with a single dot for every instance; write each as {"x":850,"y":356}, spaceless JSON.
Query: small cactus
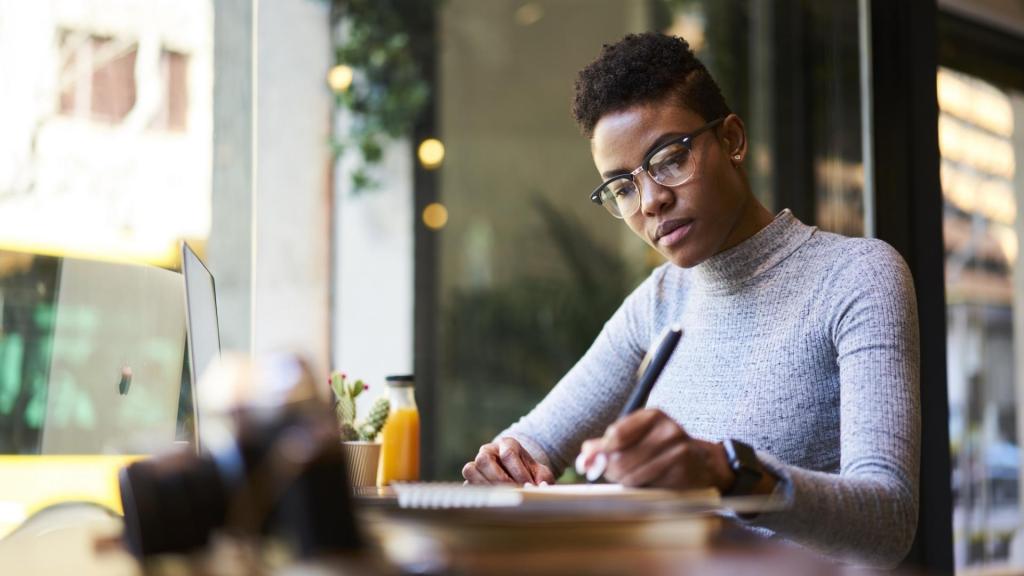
{"x":348,"y":432}
{"x":345,"y":393}
{"x":375,"y":419}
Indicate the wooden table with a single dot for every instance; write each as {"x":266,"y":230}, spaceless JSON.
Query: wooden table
{"x":599,"y":539}
{"x":605,"y":541}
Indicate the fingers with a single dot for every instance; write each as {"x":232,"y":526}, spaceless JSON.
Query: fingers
{"x":662,"y":436}
{"x":486,"y":468}
{"x":513,"y":461}
{"x":506,"y":461}
{"x":648,"y":448}
{"x":487,"y":463}
{"x":588,"y":452}
{"x":661,"y":469}
{"x":633,"y":428}
{"x":636,"y":436}
{"x":541,"y":473}
{"x":472,"y":475}
{"x":679,"y":465}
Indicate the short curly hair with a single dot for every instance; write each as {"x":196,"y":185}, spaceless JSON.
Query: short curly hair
{"x":640,"y":69}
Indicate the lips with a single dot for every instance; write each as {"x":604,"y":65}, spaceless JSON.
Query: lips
{"x":672,"y":231}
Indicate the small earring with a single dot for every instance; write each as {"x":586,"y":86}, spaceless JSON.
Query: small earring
{"x":736,"y":157}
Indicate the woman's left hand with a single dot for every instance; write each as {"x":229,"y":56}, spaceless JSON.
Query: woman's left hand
{"x":647,"y":448}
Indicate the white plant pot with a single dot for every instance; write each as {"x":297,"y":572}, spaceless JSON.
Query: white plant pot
{"x":362,"y":459}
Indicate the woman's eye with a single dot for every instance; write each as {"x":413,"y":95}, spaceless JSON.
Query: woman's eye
{"x":671,"y":161}
{"x":623,"y":190}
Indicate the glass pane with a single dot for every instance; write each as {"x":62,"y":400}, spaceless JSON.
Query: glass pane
{"x":530,"y":269}
{"x":106,"y":160}
{"x":980,"y":143}
{"x":832,"y":70}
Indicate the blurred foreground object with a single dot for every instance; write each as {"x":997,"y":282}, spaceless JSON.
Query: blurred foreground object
{"x":70,"y":538}
{"x":274,"y":469}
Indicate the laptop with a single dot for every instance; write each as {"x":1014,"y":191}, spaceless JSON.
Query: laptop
{"x":202,"y":326}
{"x":116,"y":355}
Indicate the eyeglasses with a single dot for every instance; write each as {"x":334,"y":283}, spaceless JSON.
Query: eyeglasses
{"x":670,"y":164}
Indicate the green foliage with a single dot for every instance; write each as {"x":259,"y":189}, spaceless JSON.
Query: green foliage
{"x":507,"y":345}
{"x":387,"y":43}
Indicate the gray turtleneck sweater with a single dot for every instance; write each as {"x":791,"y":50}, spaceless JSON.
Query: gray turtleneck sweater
{"x":801,"y":343}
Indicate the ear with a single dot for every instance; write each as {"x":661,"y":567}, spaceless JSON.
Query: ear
{"x":734,"y":138}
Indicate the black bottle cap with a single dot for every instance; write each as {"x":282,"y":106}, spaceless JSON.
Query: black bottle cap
{"x":400,"y":380}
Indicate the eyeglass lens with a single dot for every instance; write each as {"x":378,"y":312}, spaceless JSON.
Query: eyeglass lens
{"x":670,"y":166}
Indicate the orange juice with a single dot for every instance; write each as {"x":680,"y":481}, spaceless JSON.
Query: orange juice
{"x":400,"y":447}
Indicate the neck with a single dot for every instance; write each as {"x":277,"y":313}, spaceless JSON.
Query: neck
{"x":730,"y":269}
{"x":753,"y":217}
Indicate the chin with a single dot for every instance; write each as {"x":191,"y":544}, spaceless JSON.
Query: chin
{"x":684,"y":258}
{"x":692,"y":251}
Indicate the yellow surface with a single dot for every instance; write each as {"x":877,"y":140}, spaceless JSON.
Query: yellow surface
{"x":400,"y":447}
{"x":164,"y":254}
{"x":31,"y":483}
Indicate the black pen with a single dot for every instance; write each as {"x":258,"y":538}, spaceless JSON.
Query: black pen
{"x":638,"y":398}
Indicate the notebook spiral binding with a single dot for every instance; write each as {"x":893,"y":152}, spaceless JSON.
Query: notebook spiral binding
{"x":444,"y":495}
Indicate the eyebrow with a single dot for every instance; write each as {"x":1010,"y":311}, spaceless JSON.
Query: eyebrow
{"x":663,"y":139}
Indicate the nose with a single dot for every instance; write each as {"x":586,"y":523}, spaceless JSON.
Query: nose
{"x":654,"y":197}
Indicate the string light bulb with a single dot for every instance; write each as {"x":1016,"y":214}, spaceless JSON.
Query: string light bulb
{"x":435,"y":216}
{"x":431,"y":153}
{"x":340,"y":78}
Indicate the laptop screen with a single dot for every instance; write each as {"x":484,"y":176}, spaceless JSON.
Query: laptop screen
{"x":202,"y":323}
{"x":104,"y":350}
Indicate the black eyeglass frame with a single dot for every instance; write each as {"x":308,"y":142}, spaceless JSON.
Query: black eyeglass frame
{"x":686,"y":140}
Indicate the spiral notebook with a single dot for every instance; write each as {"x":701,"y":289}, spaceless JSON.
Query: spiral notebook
{"x":453,"y":495}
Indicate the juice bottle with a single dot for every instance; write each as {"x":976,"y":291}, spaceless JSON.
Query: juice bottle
{"x":400,"y":438}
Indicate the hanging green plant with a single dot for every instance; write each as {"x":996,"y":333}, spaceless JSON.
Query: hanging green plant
{"x":378,"y":74}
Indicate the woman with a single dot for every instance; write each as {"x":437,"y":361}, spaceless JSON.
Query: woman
{"x":797,"y":373}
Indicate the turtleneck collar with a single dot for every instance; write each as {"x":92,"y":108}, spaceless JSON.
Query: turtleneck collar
{"x":731,"y":268}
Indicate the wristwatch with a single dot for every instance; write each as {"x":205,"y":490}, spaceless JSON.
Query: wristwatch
{"x":744,"y":463}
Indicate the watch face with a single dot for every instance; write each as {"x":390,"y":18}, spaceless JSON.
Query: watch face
{"x":743,"y":461}
{"x":741,"y":454}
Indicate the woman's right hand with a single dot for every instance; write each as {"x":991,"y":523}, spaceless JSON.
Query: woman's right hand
{"x":506,"y":462}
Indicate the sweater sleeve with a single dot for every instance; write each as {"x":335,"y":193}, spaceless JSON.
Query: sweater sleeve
{"x":866,"y":513}
{"x":588,"y":398}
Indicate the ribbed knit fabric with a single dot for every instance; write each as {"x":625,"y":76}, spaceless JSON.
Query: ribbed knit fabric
{"x":801,"y":343}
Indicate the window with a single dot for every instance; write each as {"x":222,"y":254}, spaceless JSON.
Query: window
{"x":529,"y":269}
{"x":97,"y":79}
{"x":106,"y":158}
{"x":980,"y":142}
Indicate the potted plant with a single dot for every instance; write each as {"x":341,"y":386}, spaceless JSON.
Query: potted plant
{"x":362,"y":451}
